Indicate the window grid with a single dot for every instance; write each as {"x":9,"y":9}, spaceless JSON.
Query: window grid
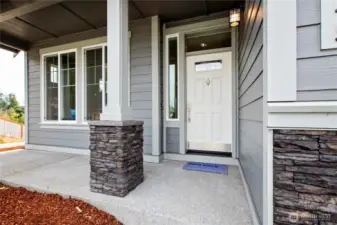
{"x":54,"y":76}
{"x":94,"y":77}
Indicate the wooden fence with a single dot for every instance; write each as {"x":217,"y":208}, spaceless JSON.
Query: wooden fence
{"x":11,"y":129}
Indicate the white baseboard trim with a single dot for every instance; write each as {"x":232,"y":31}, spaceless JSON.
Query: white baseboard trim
{"x":201,"y":158}
{"x":153,"y":158}
{"x":249,"y":197}
{"x":57,"y":149}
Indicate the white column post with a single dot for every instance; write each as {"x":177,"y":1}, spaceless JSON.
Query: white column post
{"x":155,"y":49}
{"x":280,"y":42}
{"x":117,"y":108}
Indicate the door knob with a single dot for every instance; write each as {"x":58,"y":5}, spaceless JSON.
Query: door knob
{"x":189,"y":114}
{"x":208,"y":81}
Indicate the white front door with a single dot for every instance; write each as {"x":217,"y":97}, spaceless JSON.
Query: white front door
{"x":209,"y":102}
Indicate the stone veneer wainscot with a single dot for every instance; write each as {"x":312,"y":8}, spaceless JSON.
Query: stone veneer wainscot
{"x":116,"y":156}
{"x":305,"y":177}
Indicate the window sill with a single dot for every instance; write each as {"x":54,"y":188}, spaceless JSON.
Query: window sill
{"x":64,"y":126}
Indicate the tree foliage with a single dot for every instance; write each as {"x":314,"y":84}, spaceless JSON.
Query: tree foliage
{"x":10,"y":108}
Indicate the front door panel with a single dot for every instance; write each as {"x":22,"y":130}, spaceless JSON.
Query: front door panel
{"x":209,"y":102}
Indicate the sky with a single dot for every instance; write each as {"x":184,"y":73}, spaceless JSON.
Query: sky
{"x":12,"y":74}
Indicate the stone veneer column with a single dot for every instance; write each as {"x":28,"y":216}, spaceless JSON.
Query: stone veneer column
{"x":116,"y":156}
{"x":305,"y":177}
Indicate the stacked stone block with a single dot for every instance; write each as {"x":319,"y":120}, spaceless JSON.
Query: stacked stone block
{"x":116,"y":156}
{"x":305,"y":177}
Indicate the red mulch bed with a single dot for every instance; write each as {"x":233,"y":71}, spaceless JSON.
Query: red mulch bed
{"x":12,"y":148}
{"x":20,"y":206}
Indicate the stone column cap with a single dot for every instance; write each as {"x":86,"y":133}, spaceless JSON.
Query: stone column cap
{"x":112,"y":123}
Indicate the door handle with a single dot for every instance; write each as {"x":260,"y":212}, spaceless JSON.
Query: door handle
{"x":189,"y":114}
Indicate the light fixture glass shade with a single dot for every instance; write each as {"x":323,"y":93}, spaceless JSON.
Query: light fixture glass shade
{"x":234,"y":17}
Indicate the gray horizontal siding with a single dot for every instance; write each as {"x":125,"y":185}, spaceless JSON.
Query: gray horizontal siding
{"x":251,"y":100}
{"x":308,"y":12}
{"x":172,"y":140}
{"x":317,"y":73}
{"x":141,"y":77}
{"x":140,"y":83}
{"x":316,"y":68}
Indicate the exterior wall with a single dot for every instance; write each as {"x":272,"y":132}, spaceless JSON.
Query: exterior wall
{"x":141,"y":77}
{"x":141,"y":91}
{"x":45,"y":136}
{"x":250,"y":96}
{"x":316,"y":68}
{"x":305,"y":171}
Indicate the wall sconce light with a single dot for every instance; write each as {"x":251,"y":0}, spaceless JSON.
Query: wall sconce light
{"x":234,"y":17}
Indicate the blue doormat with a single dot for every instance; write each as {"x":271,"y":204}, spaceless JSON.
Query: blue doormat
{"x":206,"y":167}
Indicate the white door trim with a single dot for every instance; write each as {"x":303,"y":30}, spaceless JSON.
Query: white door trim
{"x":181,"y":31}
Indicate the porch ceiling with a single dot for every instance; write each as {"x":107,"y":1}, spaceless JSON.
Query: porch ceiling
{"x":43,"y":20}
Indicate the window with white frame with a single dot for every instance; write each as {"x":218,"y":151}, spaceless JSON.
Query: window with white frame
{"x":172,"y":78}
{"x":95,"y":70}
{"x":60,"y":86}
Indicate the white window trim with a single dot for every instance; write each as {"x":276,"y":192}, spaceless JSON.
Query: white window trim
{"x":166,"y":77}
{"x":84,"y":77}
{"x":43,"y":88}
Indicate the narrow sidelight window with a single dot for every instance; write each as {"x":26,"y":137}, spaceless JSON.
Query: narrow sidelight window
{"x":105,"y":75}
{"x":68,"y":86}
{"x":51,"y":87}
{"x":172,"y":78}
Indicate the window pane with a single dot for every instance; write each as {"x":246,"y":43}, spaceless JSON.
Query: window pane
{"x":106,"y":74}
{"x":91,"y":75}
{"x":90,"y":58}
{"x":206,"y":40}
{"x":64,"y":61}
{"x":65,"y":77}
{"x":173,"y":78}
{"x":51,"y":85}
{"x":208,"y":65}
{"x":68,"y":103}
{"x":98,"y":75}
{"x":68,"y":89}
{"x":72,"y":77}
{"x":94,"y":84}
{"x":72,"y":60}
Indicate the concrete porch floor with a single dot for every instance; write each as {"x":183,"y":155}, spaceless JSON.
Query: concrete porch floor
{"x":168,"y":195}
